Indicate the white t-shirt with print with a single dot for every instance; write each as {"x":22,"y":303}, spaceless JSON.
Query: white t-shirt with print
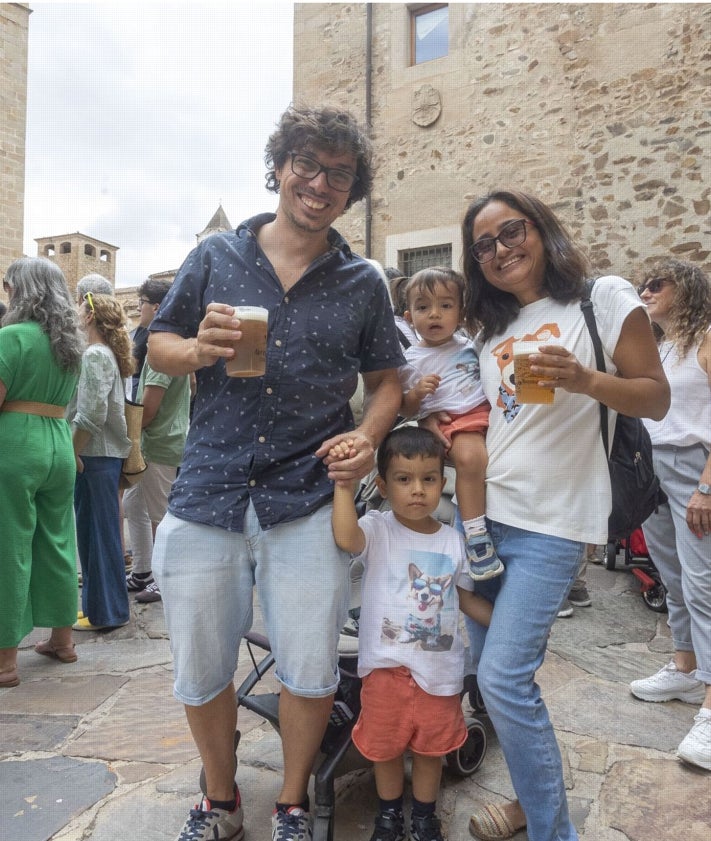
{"x":547,"y":467}
{"x":457,"y":364}
{"x":409,"y":613}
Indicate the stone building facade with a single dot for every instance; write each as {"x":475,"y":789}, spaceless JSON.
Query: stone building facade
{"x":14,"y":28}
{"x":602,"y":110}
{"x":78,"y":255}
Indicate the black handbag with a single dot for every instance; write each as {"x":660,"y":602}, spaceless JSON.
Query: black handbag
{"x":635,"y":488}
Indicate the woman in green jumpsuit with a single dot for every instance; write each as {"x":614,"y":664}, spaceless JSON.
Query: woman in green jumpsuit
{"x":40,"y":358}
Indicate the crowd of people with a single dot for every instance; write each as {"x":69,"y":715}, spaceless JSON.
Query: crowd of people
{"x":251,"y":467}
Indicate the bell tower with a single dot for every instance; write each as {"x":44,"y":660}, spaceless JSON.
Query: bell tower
{"x":78,"y":255}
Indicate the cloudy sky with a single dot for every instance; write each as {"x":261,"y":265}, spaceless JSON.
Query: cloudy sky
{"x":143,"y":116}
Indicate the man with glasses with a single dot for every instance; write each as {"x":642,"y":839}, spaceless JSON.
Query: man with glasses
{"x":252,"y":503}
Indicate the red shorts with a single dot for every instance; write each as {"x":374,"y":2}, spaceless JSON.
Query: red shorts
{"x":396,"y":714}
{"x":477,"y":420}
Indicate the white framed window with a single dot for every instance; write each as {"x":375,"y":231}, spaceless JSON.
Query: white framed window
{"x":417,"y":250}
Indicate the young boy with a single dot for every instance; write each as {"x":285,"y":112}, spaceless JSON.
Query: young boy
{"x":411,"y":656}
{"x":442,"y":375}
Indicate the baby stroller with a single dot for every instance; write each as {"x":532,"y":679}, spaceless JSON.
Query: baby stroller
{"x":637,"y":559}
{"x":338,"y":754}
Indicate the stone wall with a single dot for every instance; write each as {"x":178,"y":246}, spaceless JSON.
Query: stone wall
{"x":13,"y":107}
{"x":602,"y":110}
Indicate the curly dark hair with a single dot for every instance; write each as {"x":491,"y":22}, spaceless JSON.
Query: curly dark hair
{"x":689,"y":315}
{"x":329,"y":129}
{"x":491,"y":309}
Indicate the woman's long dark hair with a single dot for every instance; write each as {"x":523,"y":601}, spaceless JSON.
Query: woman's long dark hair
{"x":491,"y":310}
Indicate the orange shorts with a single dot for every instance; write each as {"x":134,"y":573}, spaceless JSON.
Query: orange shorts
{"x":477,"y":420}
{"x":396,"y":714}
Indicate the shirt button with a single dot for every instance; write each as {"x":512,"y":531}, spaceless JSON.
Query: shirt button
{"x":262,"y":439}
{"x":278,"y":342}
{"x":252,"y":483}
{"x":286,"y":299}
{"x":270,"y":391}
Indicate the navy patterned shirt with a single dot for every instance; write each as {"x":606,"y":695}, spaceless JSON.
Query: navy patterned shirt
{"x":255,"y":438}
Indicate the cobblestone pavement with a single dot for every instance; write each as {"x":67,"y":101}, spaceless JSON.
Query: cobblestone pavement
{"x":100,"y":750}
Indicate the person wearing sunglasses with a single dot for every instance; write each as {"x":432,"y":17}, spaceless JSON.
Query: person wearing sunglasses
{"x":677,"y":295}
{"x":548,"y":486}
{"x":251,"y":504}
{"x":41,"y":345}
{"x":98,"y":421}
{"x":410,"y":652}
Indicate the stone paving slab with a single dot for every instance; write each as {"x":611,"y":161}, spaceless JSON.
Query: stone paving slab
{"x":40,"y":796}
{"x":22,"y":733}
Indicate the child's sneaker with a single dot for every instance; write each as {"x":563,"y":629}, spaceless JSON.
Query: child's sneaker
{"x":292,"y":824}
{"x":207,"y":824}
{"x":389,"y":826}
{"x":426,"y":828}
{"x":483,"y":561}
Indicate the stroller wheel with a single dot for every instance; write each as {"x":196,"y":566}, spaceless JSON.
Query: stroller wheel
{"x":610,"y":558}
{"x":469,"y":757}
{"x":656,"y":598}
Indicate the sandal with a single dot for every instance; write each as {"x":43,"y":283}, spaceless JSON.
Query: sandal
{"x":491,"y":823}
{"x":63,"y":653}
{"x":9,"y":678}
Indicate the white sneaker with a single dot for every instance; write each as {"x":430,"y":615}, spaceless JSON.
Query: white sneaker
{"x":669,"y":684}
{"x":696,"y":746}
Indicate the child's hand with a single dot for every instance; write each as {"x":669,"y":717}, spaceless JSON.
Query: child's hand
{"x":427,"y":385}
{"x":342,"y":450}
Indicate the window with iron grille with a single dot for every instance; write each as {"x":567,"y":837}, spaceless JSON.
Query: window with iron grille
{"x":414,"y":259}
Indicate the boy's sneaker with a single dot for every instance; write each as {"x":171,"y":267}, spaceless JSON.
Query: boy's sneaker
{"x":483,"y":561}
{"x":566,"y":610}
{"x":136,"y":584}
{"x":579,"y":596}
{"x":426,"y":828}
{"x":669,"y":684}
{"x":389,"y":826}
{"x":149,"y":594}
{"x":207,"y":824}
{"x":292,"y":824}
{"x":696,"y":747}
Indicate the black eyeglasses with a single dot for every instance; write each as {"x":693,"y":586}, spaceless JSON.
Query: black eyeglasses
{"x":654,"y":285}
{"x":307,"y":167}
{"x":512,"y":234}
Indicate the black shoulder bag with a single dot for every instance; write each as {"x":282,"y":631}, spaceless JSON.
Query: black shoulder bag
{"x":635,"y":488}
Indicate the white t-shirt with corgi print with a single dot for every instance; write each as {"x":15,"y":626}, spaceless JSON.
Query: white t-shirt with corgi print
{"x":547,"y":468}
{"x":409,"y":613}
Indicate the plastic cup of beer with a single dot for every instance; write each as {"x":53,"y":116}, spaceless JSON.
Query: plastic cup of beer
{"x":526,"y":383}
{"x":251,"y":350}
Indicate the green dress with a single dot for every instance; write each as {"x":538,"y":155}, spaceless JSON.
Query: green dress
{"x":38,"y":574}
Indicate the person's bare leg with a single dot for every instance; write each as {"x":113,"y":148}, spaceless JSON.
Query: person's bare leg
{"x":426,"y":777}
{"x":213,"y":728}
{"x":389,"y":778}
{"x":302,"y":724}
{"x":685,"y":661}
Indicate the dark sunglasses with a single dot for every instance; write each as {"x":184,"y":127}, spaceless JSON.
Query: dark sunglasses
{"x":656,"y":284}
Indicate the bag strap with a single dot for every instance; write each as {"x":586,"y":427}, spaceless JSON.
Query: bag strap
{"x":587,"y":308}
{"x":404,"y":341}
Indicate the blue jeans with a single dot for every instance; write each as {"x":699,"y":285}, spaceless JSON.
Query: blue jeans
{"x":539,"y":572}
{"x":104,"y":597}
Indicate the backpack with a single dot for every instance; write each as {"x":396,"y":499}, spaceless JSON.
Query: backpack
{"x":635,"y":488}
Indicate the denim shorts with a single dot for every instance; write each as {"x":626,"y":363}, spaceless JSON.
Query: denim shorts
{"x":207,"y":578}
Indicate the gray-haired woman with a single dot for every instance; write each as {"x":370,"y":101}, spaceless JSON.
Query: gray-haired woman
{"x":41,"y":346}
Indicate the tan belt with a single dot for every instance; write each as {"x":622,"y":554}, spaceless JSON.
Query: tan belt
{"x":30,"y":407}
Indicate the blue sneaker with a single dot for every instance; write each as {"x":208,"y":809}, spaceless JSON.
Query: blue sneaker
{"x":483,"y":561}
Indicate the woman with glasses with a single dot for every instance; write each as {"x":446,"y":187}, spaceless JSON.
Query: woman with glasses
{"x":41,"y":347}
{"x":548,"y":487}
{"x":678,"y":298}
{"x":100,"y":445}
